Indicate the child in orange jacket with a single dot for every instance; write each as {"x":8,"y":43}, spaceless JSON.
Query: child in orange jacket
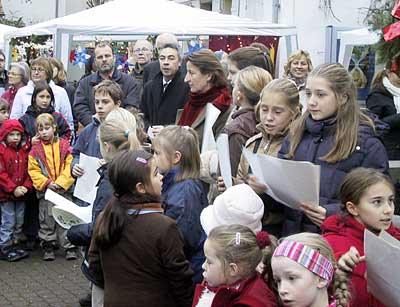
{"x":49,"y":168}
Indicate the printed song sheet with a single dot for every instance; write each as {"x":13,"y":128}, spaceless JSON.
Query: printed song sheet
{"x":383,"y":267}
{"x":224,"y":159}
{"x":66,"y":213}
{"x":289,"y":182}
{"x":85,"y":187}
{"x":211,"y":116}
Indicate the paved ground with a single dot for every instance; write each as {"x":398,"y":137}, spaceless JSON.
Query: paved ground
{"x":33,"y":282}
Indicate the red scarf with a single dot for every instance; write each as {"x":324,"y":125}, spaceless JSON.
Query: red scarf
{"x":218,"y":96}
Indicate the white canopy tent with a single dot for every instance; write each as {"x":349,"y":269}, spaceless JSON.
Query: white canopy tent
{"x":3,"y":30}
{"x":349,"y":39}
{"x":128,"y":17}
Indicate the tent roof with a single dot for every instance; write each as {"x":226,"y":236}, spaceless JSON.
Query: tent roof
{"x":127,"y":17}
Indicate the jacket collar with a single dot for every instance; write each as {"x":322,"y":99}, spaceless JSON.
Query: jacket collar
{"x":241,"y":111}
{"x":169,"y":179}
{"x":95,"y":77}
{"x":321,"y":127}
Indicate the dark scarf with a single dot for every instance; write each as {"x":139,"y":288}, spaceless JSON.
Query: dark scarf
{"x":34,"y":111}
{"x":220,"y":97}
{"x":137,"y":199}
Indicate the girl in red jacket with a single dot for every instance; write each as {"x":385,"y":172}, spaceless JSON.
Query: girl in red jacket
{"x":367,"y":198}
{"x":14,"y":187}
{"x":233,"y":253}
{"x":304,"y":271}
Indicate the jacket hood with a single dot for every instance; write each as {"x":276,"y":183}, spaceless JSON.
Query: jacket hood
{"x":8,"y":126}
{"x":348,"y":226}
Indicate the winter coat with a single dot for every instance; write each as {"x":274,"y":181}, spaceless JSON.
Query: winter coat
{"x":13,"y":162}
{"x":147,"y":266}
{"x":23,"y":100}
{"x":380,"y":102}
{"x":81,"y":235}
{"x":317,"y":141}
{"x":183,"y":202}
{"x":87,"y":142}
{"x":50,"y":162}
{"x":84,"y":97}
{"x":239,"y":130}
{"x":252,"y":291}
{"x":10,"y":93}
{"x":343,"y":232}
{"x":28,"y":121}
{"x":160,"y":107}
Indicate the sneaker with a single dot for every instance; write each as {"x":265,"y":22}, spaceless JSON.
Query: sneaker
{"x":86,"y":301}
{"x":48,"y":252}
{"x":71,"y":254}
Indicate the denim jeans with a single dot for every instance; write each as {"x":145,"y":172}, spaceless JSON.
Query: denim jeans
{"x":12,"y":219}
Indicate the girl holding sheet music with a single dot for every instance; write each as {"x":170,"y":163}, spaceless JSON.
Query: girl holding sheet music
{"x":278,"y":107}
{"x":367,"y":198}
{"x":334,"y":134}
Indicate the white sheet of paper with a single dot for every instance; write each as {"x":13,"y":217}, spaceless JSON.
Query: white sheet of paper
{"x":66,"y":213}
{"x":286,"y":179}
{"x":383,"y":267}
{"x":211,"y":116}
{"x":224,"y":159}
{"x":85,"y":187}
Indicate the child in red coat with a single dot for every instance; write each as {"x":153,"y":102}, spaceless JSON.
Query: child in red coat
{"x":15,"y":184}
{"x":368,"y":203}
{"x":233,"y":253}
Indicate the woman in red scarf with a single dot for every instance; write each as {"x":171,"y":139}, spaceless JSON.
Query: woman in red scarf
{"x":208,"y":84}
{"x":18,"y":76}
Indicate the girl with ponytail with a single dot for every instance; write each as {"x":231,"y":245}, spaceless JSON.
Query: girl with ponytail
{"x":233,"y":253}
{"x":138,"y":249}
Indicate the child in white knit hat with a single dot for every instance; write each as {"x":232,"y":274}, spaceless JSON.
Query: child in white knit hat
{"x":237,"y":205}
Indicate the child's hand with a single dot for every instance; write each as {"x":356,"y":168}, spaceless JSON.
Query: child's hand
{"x":102,"y":162}
{"x":54,"y":187}
{"x":221,"y":184}
{"x":316,"y":214}
{"x":77,"y":170}
{"x":350,"y":260}
{"x":18,"y":192}
{"x":35,"y":139}
{"x":23,"y":189}
{"x":256,"y":185}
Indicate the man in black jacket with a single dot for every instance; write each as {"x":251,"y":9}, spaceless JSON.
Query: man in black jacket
{"x":167,"y":92}
{"x":105,"y":64}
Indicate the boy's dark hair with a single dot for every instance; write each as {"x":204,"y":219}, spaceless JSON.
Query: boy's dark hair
{"x":41,"y":86}
{"x":111,"y":88}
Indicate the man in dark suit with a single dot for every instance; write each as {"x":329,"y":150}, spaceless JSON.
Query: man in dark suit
{"x":167,"y":92}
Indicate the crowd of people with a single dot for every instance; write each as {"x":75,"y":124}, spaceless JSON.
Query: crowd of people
{"x":165,"y":230}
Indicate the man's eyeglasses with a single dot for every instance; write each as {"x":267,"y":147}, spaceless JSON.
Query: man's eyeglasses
{"x":144,"y":49}
{"x":38,"y":69}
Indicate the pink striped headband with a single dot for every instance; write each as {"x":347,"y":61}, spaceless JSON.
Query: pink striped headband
{"x":307,"y":257}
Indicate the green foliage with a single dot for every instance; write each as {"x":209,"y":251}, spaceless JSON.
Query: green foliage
{"x":378,"y":16}
{"x":13,"y":21}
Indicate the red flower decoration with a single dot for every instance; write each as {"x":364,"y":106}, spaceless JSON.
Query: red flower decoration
{"x":263,"y":239}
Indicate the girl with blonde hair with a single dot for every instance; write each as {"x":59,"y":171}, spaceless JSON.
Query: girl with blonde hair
{"x":305,"y":283}
{"x":176,"y":151}
{"x":334,"y":134}
{"x":248,"y":85}
{"x":233,"y":253}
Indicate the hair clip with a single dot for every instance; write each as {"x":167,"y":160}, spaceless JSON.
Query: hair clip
{"x":126,"y":133}
{"x":263,"y":239}
{"x":237,"y":239}
{"x":141,"y":160}
{"x":186,"y":127}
